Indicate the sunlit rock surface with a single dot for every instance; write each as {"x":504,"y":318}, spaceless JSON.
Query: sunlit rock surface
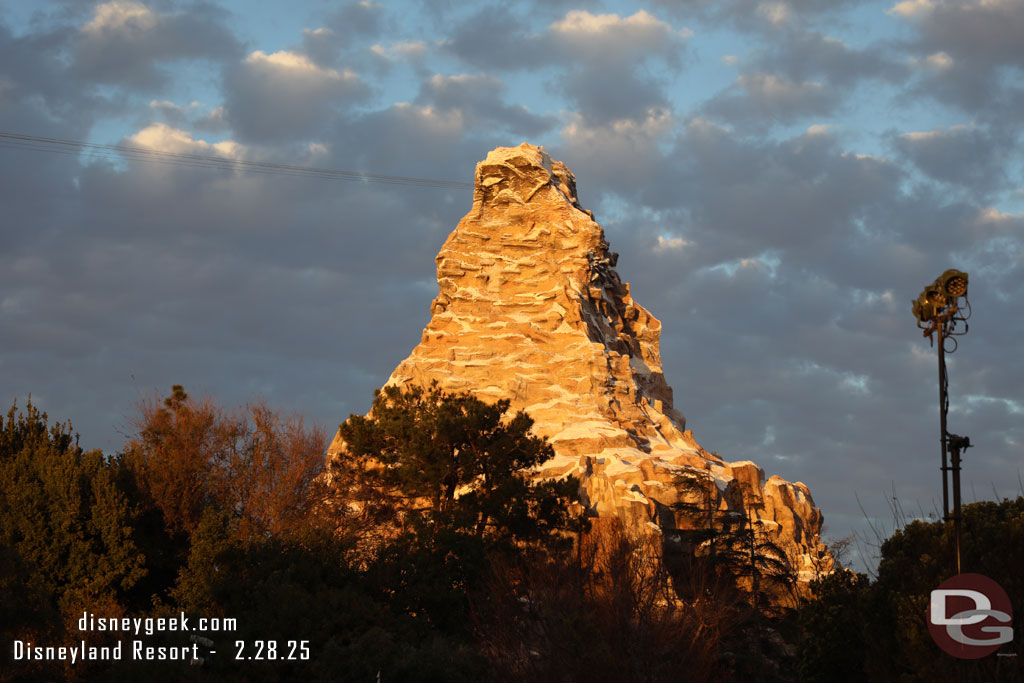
{"x":531,"y":309}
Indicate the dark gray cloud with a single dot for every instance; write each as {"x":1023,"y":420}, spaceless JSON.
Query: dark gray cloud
{"x":195,"y":276}
{"x":987,"y":95}
{"x":127,"y":42}
{"x":794,"y":70}
{"x":761,"y":100}
{"x":362,"y":20}
{"x":969,"y":156}
{"x":803,"y":55}
{"x":495,"y":38}
{"x":754,"y":15}
{"x":175,"y":115}
{"x":797,"y":72}
{"x":286,"y":96}
{"x":321,"y":45}
{"x":615,"y":93}
{"x":600,"y":61}
{"x":343,"y":31}
{"x":478,"y":100}
{"x":969,"y":54}
{"x":985,"y":32}
{"x":35,"y":78}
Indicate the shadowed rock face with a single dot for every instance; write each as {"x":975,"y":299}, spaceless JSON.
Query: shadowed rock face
{"x":532,"y":309}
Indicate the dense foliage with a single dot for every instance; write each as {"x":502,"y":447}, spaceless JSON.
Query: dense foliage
{"x":66,"y":541}
{"x":427,"y":553}
{"x":859,"y":629}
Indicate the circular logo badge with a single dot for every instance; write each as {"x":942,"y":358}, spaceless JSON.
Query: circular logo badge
{"x":969,"y":616}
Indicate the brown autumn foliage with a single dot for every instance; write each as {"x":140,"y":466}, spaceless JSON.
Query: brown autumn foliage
{"x":258,"y":466}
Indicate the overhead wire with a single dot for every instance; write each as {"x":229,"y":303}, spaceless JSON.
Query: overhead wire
{"x":143,"y":154}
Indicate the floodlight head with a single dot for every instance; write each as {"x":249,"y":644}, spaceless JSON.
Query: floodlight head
{"x":923,"y":307}
{"x":936,"y":294}
{"x":940,"y":297}
{"x":954,"y":283}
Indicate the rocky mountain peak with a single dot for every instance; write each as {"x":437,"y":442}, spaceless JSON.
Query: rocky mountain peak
{"x":531,"y":308}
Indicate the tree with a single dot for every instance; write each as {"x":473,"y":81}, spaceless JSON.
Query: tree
{"x":441,"y":484}
{"x":178,"y":449}
{"x":253,"y":464}
{"x":856,"y":629}
{"x":66,"y":529}
{"x":452,"y":462}
{"x":65,"y":511}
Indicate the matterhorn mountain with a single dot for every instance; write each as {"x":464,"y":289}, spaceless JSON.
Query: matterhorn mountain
{"x":532,"y":309}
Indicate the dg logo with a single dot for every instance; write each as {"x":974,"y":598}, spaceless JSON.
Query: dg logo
{"x":969,"y":616}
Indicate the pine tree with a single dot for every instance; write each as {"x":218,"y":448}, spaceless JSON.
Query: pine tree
{"x":441,"y":483}
{"x":452,"y":462}
{"x":66,"y":530}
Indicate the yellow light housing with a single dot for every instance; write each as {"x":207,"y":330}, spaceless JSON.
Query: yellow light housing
{"x":942,"y":293}
{"x":953,"y":282}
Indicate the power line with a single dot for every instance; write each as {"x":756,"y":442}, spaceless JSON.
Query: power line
{"x":75,"y":147}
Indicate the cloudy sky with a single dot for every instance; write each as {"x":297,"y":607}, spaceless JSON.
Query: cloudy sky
{"x":780,"y":178}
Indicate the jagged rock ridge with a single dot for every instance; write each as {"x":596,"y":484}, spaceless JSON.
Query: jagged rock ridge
{"x":532,"y":309}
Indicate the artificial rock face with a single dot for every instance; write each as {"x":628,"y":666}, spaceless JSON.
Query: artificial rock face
{"x":532,"y":309}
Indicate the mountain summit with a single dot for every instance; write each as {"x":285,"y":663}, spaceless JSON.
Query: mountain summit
{"x":532,"y":309}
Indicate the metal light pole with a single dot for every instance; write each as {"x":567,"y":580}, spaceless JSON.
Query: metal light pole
{"x":939,"y":309}
{"x":943,"y":409}
{"x":957,"y":444}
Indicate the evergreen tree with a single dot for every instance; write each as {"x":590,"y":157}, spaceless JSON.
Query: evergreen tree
{"x":857,"y":629}
{"x":425,"y":458}
{"x":441,"y":484}
{"x":66,"y":531}
{"x":65,"y":512}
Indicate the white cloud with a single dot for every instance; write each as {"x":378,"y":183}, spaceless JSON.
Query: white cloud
{"x":854,"y":383}
{"x":160,"y":105}
{"x":748,"y":265}
{"x":612,"y":36}
{"x":622,"y":133}
{"x":582,"y":22}
{"x":121,"y":16}
{"x":449,"y":123}
{"x":939,"y":60}
{"x":403,"y":49}
{"x":910,"y":9}
{"x":777,"y":13}
{"x":666,"y":244}
{"x":472,"y":80}
{"x":771,"y":87}
{"x":160,"y":137}
{"x":703,"y":128}
{"x":935,"y":134}
{"x":992,"y":216}
{"x":293,"y":64}
{"x":976,"y":401}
